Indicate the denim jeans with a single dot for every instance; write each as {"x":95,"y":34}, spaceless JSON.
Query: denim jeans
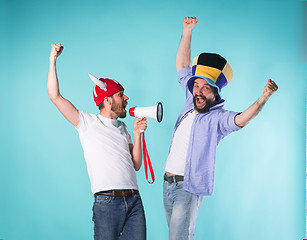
{"x":181,"y":209}
{"x":119,"y":218}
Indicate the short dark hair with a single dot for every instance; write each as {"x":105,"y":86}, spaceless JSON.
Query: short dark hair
{"x":216,"y":93}
{"x":101,"y":105}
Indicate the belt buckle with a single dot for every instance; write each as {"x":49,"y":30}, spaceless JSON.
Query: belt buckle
{"x":172,"y":179}
{"x":169,"y":179}
{"x":125,"y":193}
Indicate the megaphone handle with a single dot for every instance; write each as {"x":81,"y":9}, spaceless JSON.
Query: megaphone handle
{"x":141,"y":131}
{"x":146,"y":157}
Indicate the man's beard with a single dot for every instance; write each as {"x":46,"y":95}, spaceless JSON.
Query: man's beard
{"x":118,"y":109}
{"x":208,"y":105}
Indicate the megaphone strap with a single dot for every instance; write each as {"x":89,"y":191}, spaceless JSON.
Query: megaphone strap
{"x":147,"y":159}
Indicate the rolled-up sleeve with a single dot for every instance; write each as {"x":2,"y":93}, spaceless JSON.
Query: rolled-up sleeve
{"x":227,"y":123}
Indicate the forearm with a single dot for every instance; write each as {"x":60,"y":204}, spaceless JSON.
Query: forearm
{"x":53,"y":83}
{"x":66,"y":107}
{"x":184,"y":51}
{"x":136,"y":152}
{"x":245,"y":117}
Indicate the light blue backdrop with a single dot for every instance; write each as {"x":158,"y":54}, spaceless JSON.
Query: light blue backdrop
{"x":260,"y":171}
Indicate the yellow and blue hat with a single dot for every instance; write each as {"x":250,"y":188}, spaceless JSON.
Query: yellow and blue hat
{"x":213,"y":68}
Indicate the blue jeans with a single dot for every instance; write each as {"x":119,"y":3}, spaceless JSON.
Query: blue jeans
{"x":181,"y":209}
{"x":119,"y":218}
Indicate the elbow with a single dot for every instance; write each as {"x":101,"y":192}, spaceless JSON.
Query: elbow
{"x":181,"y":66}
{"x":182,"y":63}
{"x":137,"y":167}
{"x":240,"y":122}
{"x":53,"y":97}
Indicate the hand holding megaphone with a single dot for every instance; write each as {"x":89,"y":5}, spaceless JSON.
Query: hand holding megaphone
{"x":140,"y":125}
{"x":155,"y":112}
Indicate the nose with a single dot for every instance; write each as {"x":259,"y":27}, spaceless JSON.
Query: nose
{"x":126,"y":98}
{"x":197,"y":91}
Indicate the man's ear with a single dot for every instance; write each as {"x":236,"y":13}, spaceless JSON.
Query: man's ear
{"x":216,"y":93}
{"x":108,"y":101}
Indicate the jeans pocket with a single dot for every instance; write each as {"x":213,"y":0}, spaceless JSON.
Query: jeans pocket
{"x":179,"y":184}
{"x":103,"y":200}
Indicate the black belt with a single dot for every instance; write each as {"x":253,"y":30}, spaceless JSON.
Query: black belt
{"x":118,"y":193}
{"x":174,"y":178}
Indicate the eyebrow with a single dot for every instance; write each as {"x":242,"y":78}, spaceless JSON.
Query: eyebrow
{"x":204,"y":83}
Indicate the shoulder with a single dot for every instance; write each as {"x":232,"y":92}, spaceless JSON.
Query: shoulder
{"x":184,"y":72}
{"x":87,"y":116}
{"x":213,"y":117}
{"x":121,"y":124}
{"x":184,"y":75}
{"x":221,"y":113}
{"x":85,"y":119}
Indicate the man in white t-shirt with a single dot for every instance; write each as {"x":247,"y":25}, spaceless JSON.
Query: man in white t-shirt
{"x":110,"y":156}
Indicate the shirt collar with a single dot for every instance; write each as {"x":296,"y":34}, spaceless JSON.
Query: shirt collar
{"x":109,"y":121}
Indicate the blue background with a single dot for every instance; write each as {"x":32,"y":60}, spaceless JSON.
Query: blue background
{"x":260,"y":170}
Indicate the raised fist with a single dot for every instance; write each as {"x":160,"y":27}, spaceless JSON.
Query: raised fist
{"x":269,"y":88}
{"x":56,"y":50}
{"x":189,"y":23}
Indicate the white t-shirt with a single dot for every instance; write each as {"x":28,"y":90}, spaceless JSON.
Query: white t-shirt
{"x":105,"y":143}
{"x":175,"y":162}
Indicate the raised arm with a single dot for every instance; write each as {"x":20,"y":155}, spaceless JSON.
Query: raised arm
{"x":136,"y":149}
{"x":245,"y":117}
{"x":184,"y":50}
{"x":66,"y":107}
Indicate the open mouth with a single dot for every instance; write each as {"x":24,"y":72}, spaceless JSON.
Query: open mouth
{"x":200,"y":100}
{"x":124,"y":106}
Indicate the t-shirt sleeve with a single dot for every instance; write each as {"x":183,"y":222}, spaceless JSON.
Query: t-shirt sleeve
{"x":127,"y":134}
{"x":183,"y":77}
{"x":227,"y":123}
{"x":84,"y":121}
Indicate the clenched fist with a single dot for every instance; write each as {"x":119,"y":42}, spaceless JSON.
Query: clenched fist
{"x":140,"y":125}
{"x":56,"y":50}
{"x":269,"y":88}
{"x":189,"y":23}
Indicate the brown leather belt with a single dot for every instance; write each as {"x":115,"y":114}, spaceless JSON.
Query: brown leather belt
{"x":118,"y":193}
{"x":174,"y":178}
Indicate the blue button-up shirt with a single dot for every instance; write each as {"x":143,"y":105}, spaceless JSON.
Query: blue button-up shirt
{"x":207,"y":130}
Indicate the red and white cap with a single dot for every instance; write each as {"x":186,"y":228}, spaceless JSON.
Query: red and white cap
{"x":104,"y":87}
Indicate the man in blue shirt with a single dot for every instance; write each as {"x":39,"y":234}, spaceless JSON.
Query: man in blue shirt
{"x":202,"y":123}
